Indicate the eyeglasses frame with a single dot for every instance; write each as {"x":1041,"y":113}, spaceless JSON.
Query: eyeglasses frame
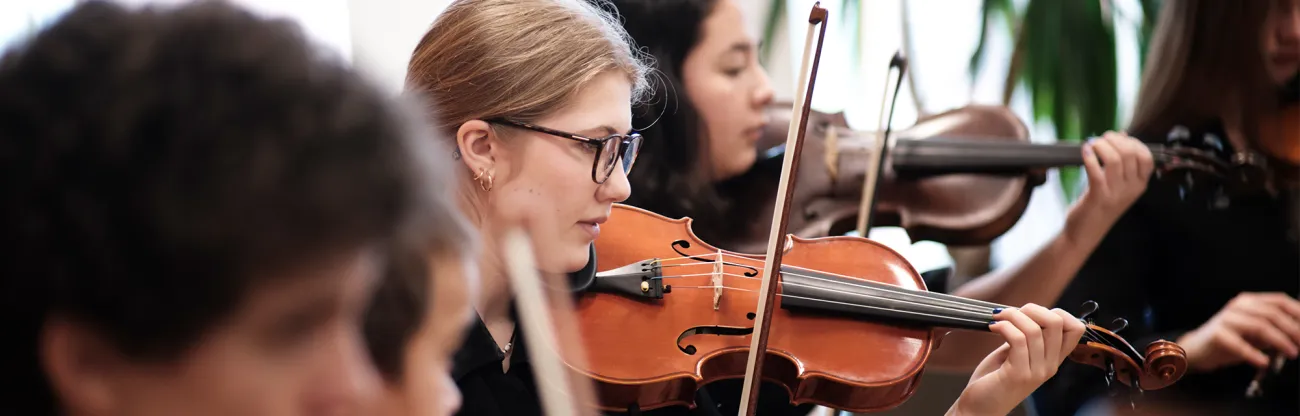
{"x":625,"y":141}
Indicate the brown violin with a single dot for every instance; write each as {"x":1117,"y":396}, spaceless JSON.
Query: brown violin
{"x":962,"y":208}
{"x":851,"y":329}
{"x":1281,"y":143}
{"x":961,"y":177}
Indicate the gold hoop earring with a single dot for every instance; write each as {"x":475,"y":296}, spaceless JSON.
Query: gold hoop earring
{"x":487,"y":186}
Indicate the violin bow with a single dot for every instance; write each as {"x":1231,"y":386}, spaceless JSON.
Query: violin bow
{"x":781,"y":216}
{"x":561,"y":392}
{"x":884,"y":127}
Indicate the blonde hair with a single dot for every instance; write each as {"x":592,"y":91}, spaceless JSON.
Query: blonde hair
{"x":523,"y":59}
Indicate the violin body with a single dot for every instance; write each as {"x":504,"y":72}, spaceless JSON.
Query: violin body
{"x":1281,"y":142}
{"x":960,"y":208}
{"x":957,"y":209}
{"x":854,"y":365}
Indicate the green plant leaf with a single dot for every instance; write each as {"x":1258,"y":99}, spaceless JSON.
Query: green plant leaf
{"x":775,"y":13}
{"x":989,"y":9}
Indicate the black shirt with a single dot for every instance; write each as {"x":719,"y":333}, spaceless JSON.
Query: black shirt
{"x":1169,"y":265}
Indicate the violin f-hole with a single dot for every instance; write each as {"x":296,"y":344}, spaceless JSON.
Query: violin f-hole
{"x":679,"y":244}
{"x":714,"y":330}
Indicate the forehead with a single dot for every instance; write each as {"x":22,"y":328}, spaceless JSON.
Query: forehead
{"x":606,"y":100}
{"x":724,"y":27}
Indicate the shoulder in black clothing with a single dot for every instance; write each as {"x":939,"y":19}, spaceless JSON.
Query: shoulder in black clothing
{"x":1167,"y":266}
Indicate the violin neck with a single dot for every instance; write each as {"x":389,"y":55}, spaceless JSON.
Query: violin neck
{"x":818,"y":292}
{"x":953,"y":155}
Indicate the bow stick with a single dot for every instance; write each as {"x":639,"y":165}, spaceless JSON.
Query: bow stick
{"x":780,"y":220}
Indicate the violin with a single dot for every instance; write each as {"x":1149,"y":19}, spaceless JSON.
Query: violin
{"x":962,"y":177}
{"x":852,"y":329}
{"x":843,"y":322}
{"x":1277,"y":128}
{"x":956,"y":209}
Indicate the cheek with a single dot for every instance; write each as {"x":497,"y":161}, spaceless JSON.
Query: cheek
{"x":720,"y":104}
{"x":553,"y":195}
{"x":715,"y":100}
{"x":541,"y":192}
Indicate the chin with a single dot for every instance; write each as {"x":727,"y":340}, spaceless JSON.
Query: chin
{"x":566,"y":260}
{"x":743,"y":161}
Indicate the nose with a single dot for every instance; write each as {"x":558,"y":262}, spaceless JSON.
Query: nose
{"x":1289,"y":31}
{"x":763,"y":93}
{"x":616,"y":188}
{"x":345,"y":382}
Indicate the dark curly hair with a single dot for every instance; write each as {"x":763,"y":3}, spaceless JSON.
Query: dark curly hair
{"x":156,"y":162}
{"x":669,"y":166}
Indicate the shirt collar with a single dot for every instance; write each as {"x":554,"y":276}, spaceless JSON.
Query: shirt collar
{"x":479,"y":349}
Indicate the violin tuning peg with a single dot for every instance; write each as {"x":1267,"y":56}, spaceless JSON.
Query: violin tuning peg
{"x":1213,"y":140}
{"x":1178,"y":134}
{"x":1119,"y":324}
{"x":1088,"y":308}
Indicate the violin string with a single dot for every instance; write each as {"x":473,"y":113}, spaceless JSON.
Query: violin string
{"x":1088,"y":334}
{"x":877,"y":285}
{"x":939,"y":302}
{"x":871,"y":296}
{"x":908,"y":312}
{"x":939,"y":299}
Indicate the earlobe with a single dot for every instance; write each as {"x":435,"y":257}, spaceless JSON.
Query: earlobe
{"x":77,"y":363}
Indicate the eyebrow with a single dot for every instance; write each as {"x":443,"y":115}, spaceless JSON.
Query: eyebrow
{"x":599,"y":131}
{"x":743,"y":46}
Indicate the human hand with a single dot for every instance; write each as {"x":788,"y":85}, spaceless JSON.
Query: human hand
{"x":1118,"y":169}
{"x":1249,"y":324}
{"x":1038,"y":340}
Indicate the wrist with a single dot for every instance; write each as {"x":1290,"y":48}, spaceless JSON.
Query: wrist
{"x":958,"y":409}
{"x":1191,"y":347}
{"x":1086,"y":224}
{"x":964,"y":407}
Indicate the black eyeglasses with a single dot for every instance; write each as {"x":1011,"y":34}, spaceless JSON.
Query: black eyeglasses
{"x":608,"y":149}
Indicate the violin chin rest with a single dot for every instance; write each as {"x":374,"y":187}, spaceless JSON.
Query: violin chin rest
{"x":936,"y":280}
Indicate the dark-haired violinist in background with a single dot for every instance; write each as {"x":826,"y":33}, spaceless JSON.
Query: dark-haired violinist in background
{"x":1221,"y":277}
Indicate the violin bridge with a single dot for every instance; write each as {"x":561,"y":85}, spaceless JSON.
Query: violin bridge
{"x":717,"y":281}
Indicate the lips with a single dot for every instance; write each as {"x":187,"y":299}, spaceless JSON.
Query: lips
{"x":592,"y":225}
{"x":756,"y":132}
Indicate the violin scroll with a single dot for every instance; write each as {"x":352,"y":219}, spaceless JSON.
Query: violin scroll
{"x":1162,"y":363}
{"x":1165,"y":360}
